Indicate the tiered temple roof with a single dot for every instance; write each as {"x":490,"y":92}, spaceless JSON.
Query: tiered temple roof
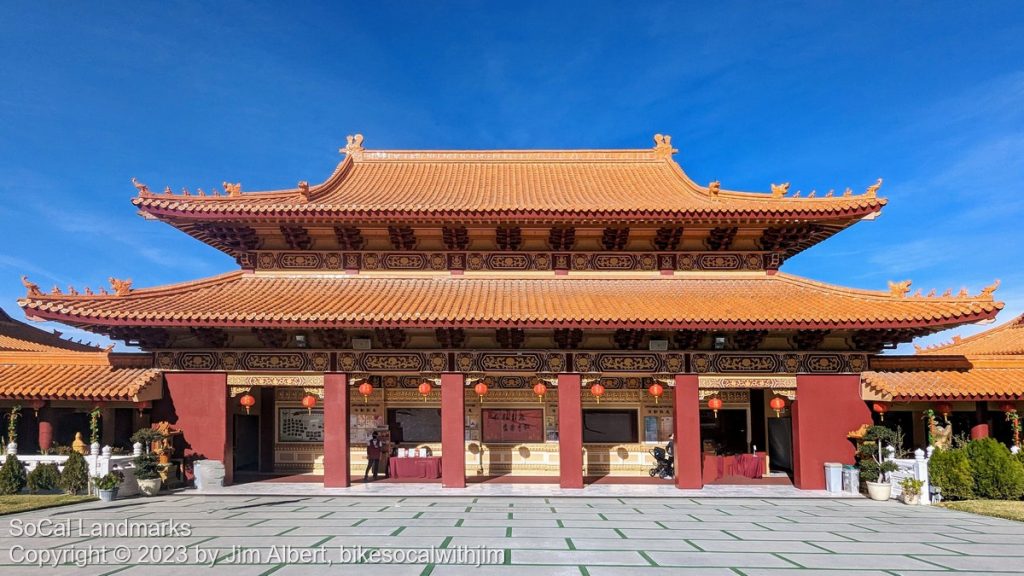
{"x":989,"y":365}
{"x":701,"y":301}
{"x":39,"y":365}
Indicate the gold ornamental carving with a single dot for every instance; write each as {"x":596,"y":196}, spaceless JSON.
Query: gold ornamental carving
{"x":276,"y":380}
{"x":746,"y":382}
{"x":510,"y":362}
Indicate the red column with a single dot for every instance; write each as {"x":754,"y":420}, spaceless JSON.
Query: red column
{"x":570,"y":431}
{"x":826,"y":409}
{"x":980,"y":429}
{"x":45,"y":428}
{"x":197,"y":404}
{"x":687,"y":447}
{"x":336,"y":441}
{"x":453,"y":435}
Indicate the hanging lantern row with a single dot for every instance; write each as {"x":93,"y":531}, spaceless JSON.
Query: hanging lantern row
{"x":880,"y":408}
{"x":247,"y":401}
{"x":715,"y":404}
{"x":656,"y":390}
{"x":597,"y":390}
{"x":778,"y":404}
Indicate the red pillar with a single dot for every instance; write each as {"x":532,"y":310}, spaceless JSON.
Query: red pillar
{"x":197,"y":404}
{"x":453,"y":435}
{"x":826,"y":409}
{"x":45,"y":428}
{"x":687,"y":446}
{"x":570,"y":431}
{"x":980,"y":429}
{"x":336,"y":441}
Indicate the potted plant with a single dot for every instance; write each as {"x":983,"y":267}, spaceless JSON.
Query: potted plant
{"x":106,"y":485}
{"x":874,"y":468}
{"x":147,"y":470}
{"x":147,"y":473}
{"x":911,"y":490}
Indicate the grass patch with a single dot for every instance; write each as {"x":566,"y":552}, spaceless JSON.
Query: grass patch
{"x":26,"y":502}
{"x":1008,"y":509}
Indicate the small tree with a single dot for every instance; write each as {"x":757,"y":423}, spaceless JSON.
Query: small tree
{"x":74,"y":479}
{"x":146,"y":467}
{"x":12,"y":476}
{"x":12,"y":424}
{"x":43,"y":477}
{"x":873,"y":465}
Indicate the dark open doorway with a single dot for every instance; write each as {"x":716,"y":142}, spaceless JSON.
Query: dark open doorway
{"x":246,"y":443}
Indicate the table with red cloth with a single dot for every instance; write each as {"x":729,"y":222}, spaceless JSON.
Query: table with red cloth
{"x":415,"y":467}
{"x":747,"y":465}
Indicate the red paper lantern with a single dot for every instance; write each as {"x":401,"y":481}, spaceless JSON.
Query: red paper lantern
{"x":656,"y":390}
{"x":944,"y":408}
{"x":1007,"y":407}
{"x":540,"y":389}
{"x":365,"y":389}
{"x":309,"y":402}
{"x":425,"y":389}
{"x":715,"y":403}
{"x":248,"y":401}
{"x":481,"y":390}
{"x":597,"y":390}
{"x":778,"y":404}
{"x":880,"y":408}
{"x":144,"y":405}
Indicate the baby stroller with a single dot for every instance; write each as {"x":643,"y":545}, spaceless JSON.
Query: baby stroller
{"x":663,"y":469}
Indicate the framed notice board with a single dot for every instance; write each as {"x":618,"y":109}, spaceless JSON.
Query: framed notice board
{"x":513,"y":425}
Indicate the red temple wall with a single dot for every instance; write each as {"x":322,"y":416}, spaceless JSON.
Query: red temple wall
{"x":827,"y":408}
{"x":196,"y":404}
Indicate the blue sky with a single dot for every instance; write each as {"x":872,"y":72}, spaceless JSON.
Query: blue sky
{"x":927,"y":95}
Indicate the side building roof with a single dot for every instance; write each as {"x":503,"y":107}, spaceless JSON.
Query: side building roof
{"x":39,"y":365}
{"x":986,"y":366}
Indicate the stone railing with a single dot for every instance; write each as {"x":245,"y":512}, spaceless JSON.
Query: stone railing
{"x":100,"y":461}
{"x":917,"y":467}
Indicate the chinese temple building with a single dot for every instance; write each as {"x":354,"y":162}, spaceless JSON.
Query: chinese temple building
{"x":519,"y":313}
{"x":975,"y":383}
{"x":58,"y":382}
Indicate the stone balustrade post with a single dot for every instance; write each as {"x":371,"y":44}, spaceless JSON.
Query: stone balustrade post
{"x":137,"y":449}
{"x":921,"y":473}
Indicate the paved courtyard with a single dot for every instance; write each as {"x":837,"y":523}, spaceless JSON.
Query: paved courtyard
{"x":578,"y":536}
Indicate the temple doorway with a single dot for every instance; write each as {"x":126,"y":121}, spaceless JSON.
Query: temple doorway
{"x":744,"y":440}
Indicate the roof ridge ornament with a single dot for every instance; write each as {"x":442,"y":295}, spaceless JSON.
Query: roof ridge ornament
{"x":663,"y":146}
{"x":714,"y":187}
{"x":142,"y":188}
{"x":872,"y":191}
{"x":304,"y":190}
{"x":779,"y":190}
{"x":353,"y":145}
{"x":31,"y":287}
{"x":121,"y":287}
{"x":233,"y":190}
{"x":899,"y":289}
{"x":987,"y":291}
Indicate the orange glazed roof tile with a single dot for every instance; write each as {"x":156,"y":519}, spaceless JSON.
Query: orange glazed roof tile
{"x":1002,"y":340}
{"x":38,"y":365}
{"x":987,"y":365}
{"x":723,"y":301}
{"x":533,"y":184}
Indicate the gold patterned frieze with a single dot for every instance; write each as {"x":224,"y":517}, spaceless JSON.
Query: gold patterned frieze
{"x":276,"y":380}
{"x":746,"y":382}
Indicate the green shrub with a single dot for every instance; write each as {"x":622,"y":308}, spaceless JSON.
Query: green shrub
{"x":997,"y":474}
{"x":871,"y":456}
{"x":146,"y":467}
{"x":12,"y":476}
{"x":43,"y":477}
{"x":74,"y":479}
{"x":950,"y":469}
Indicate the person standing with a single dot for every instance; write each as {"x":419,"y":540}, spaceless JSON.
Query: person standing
{"x":373,"y":450}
